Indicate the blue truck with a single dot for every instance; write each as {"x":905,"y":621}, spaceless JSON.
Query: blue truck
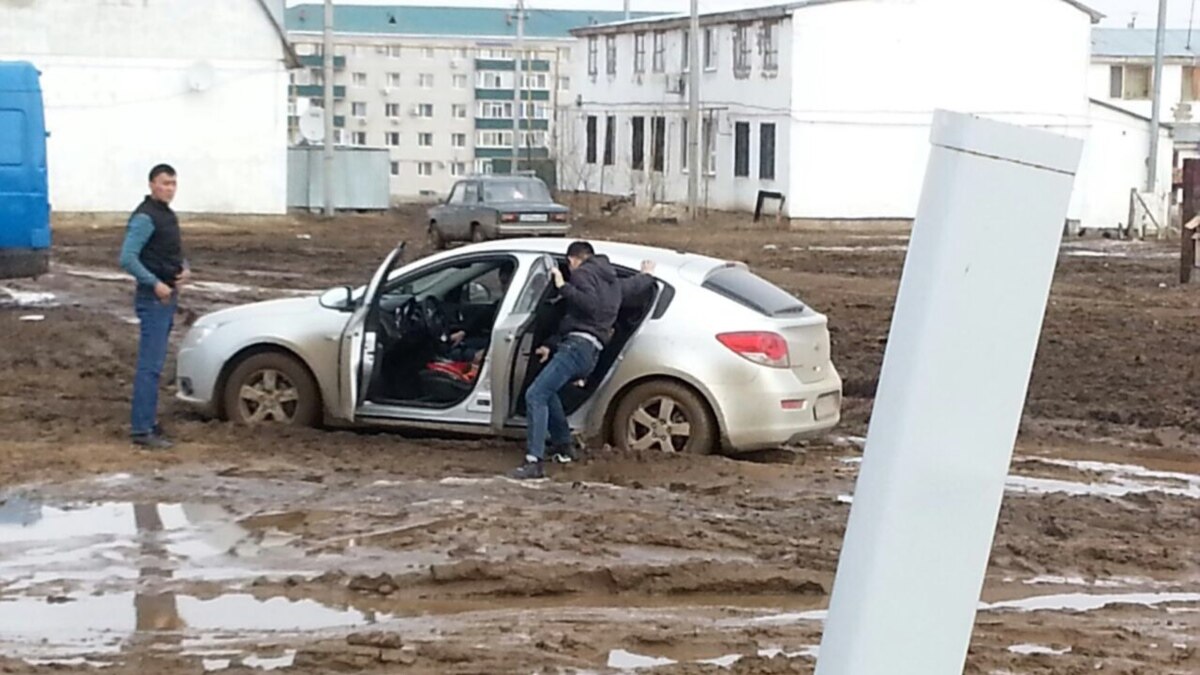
{"x":24,"y":188}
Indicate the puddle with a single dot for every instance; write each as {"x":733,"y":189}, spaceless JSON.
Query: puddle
{"x":101,"y":624}
{"x":115,"y":541}
{"x":893,"y":248}
{"x":26,"y":298}
{"x":1086,"y":602}
{"x":1115,"y":480}
{"x":620,"y":659}
{"x":1038,"y":650}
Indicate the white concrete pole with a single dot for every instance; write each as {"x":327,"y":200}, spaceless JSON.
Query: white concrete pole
{"x":693,"y":88}
{"x":518,"y":72}
{"x":1156,"y":102}
{"x":955,"y":374}
{"x":327,"y":70}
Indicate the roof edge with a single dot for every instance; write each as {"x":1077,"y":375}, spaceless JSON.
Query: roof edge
{"x":1128,"y":113}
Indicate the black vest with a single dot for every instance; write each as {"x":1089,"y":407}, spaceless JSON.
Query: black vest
{"x":163,"y":253}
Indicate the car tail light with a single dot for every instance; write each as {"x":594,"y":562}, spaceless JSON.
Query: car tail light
{"x":768,"y":349}
{"x":559,"y":217}
{"x":508,"y":217}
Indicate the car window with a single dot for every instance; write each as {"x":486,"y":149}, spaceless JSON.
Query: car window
{"x":526,"y":190}
{"x":457,"y":194}
{"x":535,"y":288}
{"x":747,"y":288}
{"x":470,"y":193}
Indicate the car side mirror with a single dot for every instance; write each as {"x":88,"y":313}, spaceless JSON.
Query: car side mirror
{"x":340,"y":299}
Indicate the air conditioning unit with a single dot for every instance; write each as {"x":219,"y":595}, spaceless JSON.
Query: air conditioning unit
{"x":386,"y":91}
{"x":676,"y":84}
{"x":639,"y":78}
{"x":395,"y":121}
{"x":415,"y":111}
{"x":362,"y":121}
{"x":454,"y":64}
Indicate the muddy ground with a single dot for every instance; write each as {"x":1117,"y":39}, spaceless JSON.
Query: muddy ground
{"x":333,"y":551}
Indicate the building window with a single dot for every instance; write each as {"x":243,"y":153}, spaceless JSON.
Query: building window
{"x":1191,"y":84}
{"x":392,"y":110}
{"x":768,"y":44}
{"x":395,"y":168}
{"x":660,"y":51}
{"x":533,"y":139}
{"x":741,"y":50}
{"x":534,"y":81}
{"x":593,"y":56}
{"x":710,"y":48}
{"x":494,"y":81}
{"x":684,"y":144}
{"x":494,"y":139}
{"x":426,"y":80}
{"x":460,"y":81}
{"x":658,"y":143}
{"x":564,"y":54}
{"x":708,"y":132}
{"x":766,"y":151}
{"x":428,"y":52}
{"x":425,"y":110}
{"x":610,"y":139}
{"x":483,"y":166}
{"x":425,"y":139}
{"x":610,"y":54}
{"x":564,"y":83}
{"x":316,"y":103}
{"x":358,"y":138}
{"x":685,"y":53}
{"x":639,"y":143}
{"x":462,"y":52}
{"x":395,"y":51}
{"x":458,"y":168}
{"x":494,"y":110}
{"x":459,"y":111}
{"x":358,"y":109}
{"x":305,"y":49}
{"x":392,"y":139}
{"x":741,"y":149}
{"x":316,"y":76}
{"x":360,"y":79}
{"x":458,"y":140}
{"x":393,"y":80}
{"x":639,"y":52}
{"x":424,"y":168}
{"x":590,"y":156}
{"x":1131,"y":83}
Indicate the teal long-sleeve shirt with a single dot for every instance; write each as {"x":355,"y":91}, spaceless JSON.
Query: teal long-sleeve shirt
{"x":137,"y":233}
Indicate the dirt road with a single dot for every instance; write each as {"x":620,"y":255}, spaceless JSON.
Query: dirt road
{"x":321,"y":551}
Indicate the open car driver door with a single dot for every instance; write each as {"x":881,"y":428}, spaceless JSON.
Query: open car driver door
{"x":356,"y":354}
{"x":512,"y":340}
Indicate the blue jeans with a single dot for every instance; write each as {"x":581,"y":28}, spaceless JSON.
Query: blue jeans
{"x":156,"y":320}
{"x":575,"y":359}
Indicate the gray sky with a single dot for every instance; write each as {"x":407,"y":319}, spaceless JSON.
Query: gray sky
{"x":1119,"y":11}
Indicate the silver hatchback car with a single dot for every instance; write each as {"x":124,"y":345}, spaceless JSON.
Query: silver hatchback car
{"x":713,"y":359}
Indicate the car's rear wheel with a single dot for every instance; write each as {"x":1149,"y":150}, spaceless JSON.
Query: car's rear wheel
{"x":436,"y":241}
{"x":664,"y":416}
{"x":272,"y":388}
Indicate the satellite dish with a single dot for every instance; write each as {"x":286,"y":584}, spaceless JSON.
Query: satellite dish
{"x":200,"y":76}
{"x":312,"y":125}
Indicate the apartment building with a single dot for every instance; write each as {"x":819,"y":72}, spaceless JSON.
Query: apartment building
{"x":435,"y":85}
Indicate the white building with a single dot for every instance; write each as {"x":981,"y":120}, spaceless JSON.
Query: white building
{"x":202,"y":86}
{"x":826,"y":101}
{"x":434,"y":85}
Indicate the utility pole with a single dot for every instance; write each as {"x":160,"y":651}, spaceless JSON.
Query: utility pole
{"x":518,"y":72}
{"x":1156,"y":104}
{"x":693,"y":87}
{"x":327,"y":175}
{"x":626,"y":10}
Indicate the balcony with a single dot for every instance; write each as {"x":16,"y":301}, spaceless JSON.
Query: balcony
{"x":506,"y":153}
{"x":505,"y":124}
{"x":315,"y":61}
{"x":507,"y":95}
{"x":534,"y":66}
{"x":318,"y":90}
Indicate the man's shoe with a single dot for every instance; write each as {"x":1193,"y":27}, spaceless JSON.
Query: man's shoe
{"x":529,"y":471}
{"x":152,"y":442}
{"x":564,"y":454}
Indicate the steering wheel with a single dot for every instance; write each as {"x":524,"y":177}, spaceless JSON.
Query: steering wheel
{"x":433,"y":318}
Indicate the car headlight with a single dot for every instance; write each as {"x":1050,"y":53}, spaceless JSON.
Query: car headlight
{"x":199,"y":334}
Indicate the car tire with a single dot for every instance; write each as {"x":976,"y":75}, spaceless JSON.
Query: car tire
{"x":477,"y":235}
{"x":666,"y":416}
{"x":436,"y":241}
{"x":272,"y":387}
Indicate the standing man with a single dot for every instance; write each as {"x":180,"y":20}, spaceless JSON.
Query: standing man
{"x":593,"y":301}
{"x":153,"y":255}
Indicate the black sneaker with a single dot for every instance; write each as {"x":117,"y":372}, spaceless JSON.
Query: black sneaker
{"x":152,"y":442}
{"x":563,"y":454}
{"x":529,"y":471}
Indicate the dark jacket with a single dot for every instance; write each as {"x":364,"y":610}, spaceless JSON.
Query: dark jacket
{"x":593,"y":300}
{"x":163,"y":253}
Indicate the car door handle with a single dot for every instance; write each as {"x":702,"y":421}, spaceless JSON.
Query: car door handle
{"x":509,"y":337}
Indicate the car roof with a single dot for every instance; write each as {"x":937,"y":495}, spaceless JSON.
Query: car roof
{"x":690,"y":266}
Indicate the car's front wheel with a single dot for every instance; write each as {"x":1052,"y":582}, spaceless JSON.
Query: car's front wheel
{"x":271,"y":387}
{"x":664,"y":416}
{"x":436,"y":241}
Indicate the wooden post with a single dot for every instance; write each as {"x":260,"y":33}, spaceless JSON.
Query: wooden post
{"x":1187,"y":233}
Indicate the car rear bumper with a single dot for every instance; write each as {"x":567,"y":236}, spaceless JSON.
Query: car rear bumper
{"x":510,"y":230}
{"x":778,"y":409}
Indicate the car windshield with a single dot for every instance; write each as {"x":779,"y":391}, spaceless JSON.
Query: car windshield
{"x":515,"y":191}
